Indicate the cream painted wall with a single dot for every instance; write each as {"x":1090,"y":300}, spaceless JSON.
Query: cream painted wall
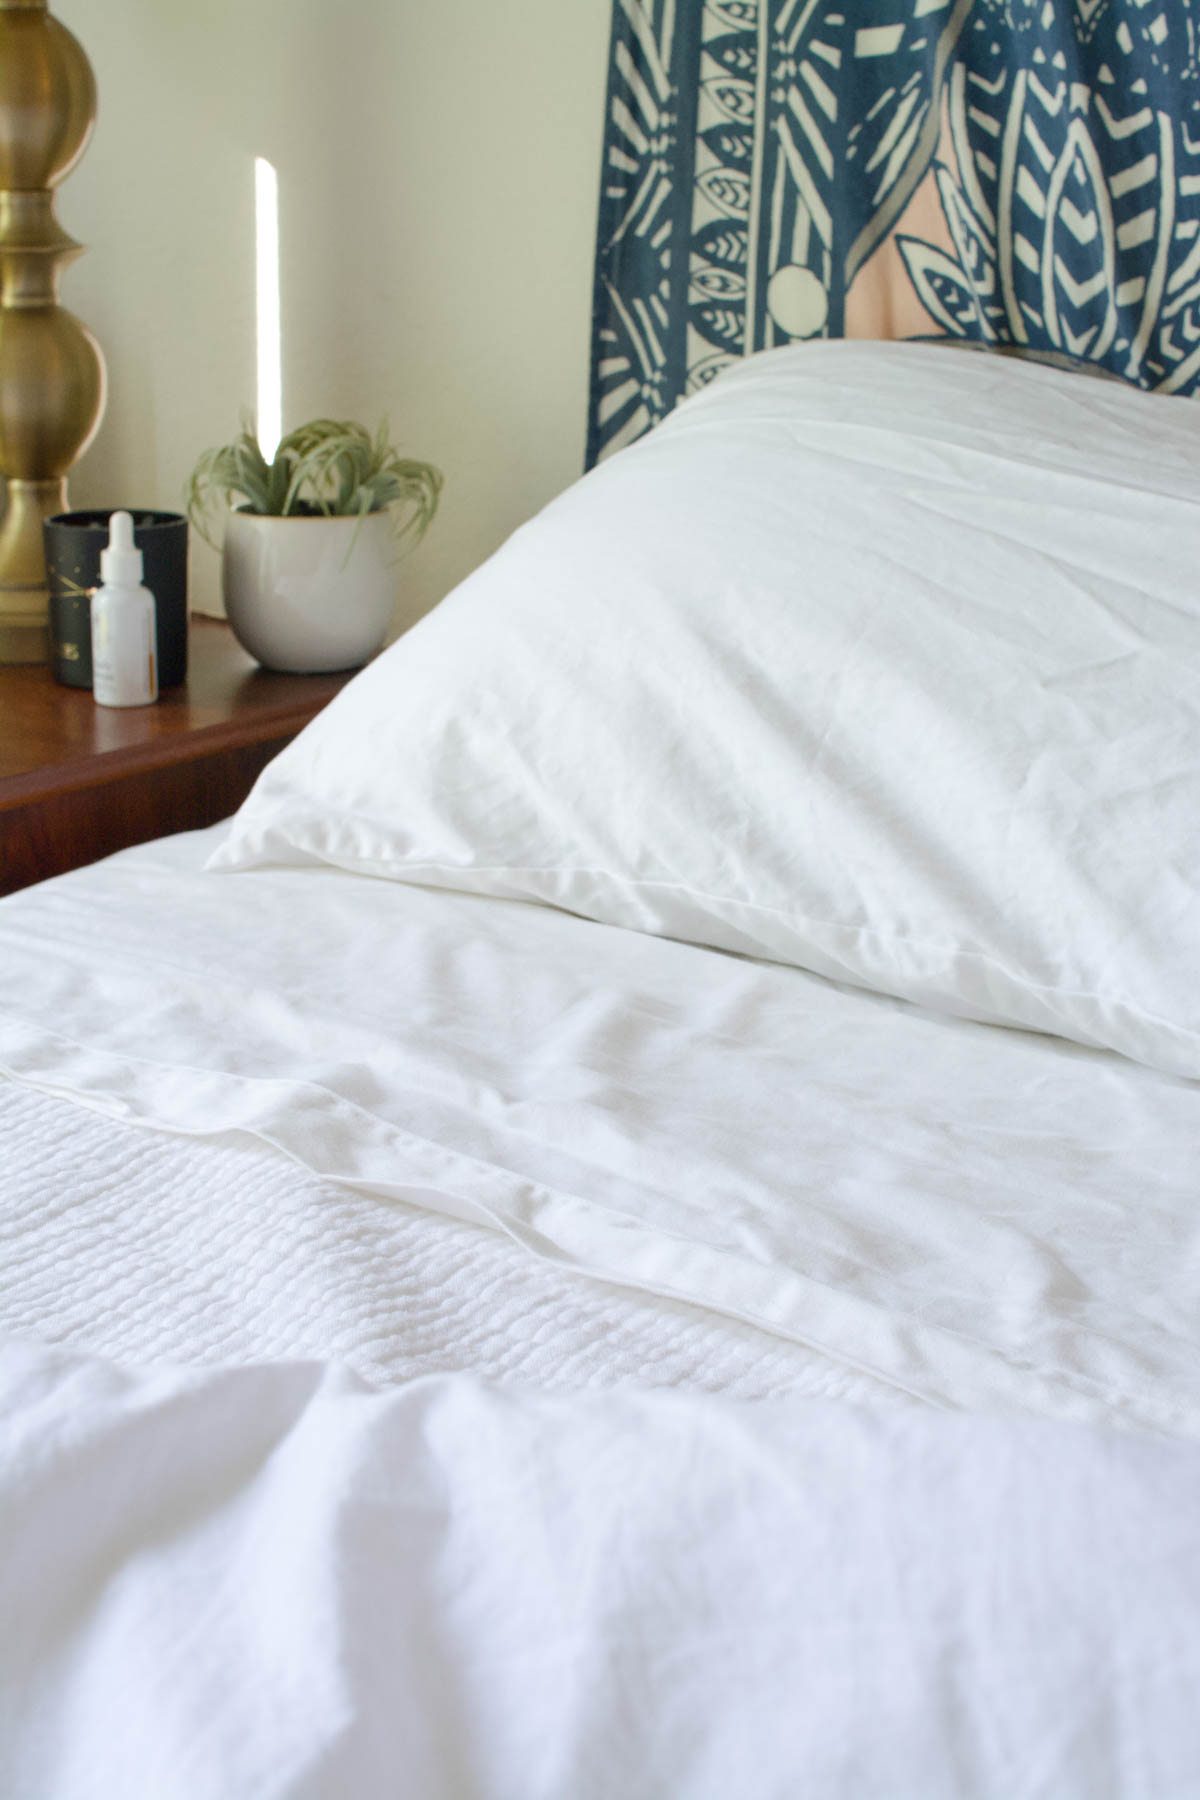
{"x":438,"y":168}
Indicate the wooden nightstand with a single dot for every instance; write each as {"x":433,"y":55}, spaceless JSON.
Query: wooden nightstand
{"x":78,"y":781}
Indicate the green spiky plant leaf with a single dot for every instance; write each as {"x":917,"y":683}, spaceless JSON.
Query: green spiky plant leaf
{"x":328,"y":466}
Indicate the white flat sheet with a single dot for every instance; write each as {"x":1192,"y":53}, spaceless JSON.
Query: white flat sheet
{"x":264,"y":1582}
{"x":147,"y":1247}
{"x":977,"y":1217}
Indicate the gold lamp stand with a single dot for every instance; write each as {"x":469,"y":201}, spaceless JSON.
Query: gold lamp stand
{"x":51,"y":369}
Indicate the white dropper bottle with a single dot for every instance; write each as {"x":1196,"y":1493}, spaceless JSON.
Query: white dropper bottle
{"x":124,"y":665}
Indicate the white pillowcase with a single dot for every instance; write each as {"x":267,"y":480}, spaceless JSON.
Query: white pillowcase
{"x":880,"y":659}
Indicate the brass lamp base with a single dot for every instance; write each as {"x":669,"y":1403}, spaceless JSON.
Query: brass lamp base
{"x":24,"y":596}
{"x":22,"y":642}
{"x":51,"y":369}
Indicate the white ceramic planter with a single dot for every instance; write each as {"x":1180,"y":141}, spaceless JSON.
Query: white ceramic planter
{"x":306,"y":594}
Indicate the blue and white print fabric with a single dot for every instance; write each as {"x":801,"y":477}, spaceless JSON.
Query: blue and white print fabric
{"x":1022,"y":172}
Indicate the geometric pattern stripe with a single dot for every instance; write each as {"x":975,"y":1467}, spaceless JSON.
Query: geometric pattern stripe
{"x":1013,"y":172}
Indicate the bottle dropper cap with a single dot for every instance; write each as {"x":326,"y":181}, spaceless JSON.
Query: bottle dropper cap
{"x":121,"y":562}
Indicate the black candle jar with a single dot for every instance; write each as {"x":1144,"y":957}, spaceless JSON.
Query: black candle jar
{"x":73,"y":544}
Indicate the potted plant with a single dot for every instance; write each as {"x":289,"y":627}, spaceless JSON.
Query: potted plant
{"x":307,"y":568}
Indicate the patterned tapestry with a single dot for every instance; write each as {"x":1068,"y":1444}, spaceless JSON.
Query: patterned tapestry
{"x":1018,"y":172}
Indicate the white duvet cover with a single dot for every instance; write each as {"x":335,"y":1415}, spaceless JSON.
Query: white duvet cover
{"x":254,"y":1119}
{"x":259,"y":1583}
{"x":976,"y":1217}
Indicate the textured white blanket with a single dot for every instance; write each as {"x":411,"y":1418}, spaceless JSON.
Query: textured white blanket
{"x":141,"y":1245}
{"x":267,"y":1582}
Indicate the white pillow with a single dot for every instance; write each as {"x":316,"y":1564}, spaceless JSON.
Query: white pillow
{"x":880,"y":659}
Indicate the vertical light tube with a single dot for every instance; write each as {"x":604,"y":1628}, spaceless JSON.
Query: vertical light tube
{"x":270,"y":337}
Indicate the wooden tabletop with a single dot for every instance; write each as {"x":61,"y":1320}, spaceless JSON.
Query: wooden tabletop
{"x":54,"y":739}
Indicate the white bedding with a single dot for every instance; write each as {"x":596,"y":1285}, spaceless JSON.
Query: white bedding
{"x":261,"y":1133}
{"x":147,"y":1247}
{"x":878,"y":662}
{"x":876,"y":659}
{"x":272,"y":1584}
{"x":977,"y":1217}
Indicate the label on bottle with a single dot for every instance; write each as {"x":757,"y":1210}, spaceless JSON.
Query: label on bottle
{"x":123,"y":647}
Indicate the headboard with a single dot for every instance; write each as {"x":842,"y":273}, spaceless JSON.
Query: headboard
{"x":1021,"y":173}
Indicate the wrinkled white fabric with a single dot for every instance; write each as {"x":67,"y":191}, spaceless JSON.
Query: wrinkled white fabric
{"x":252,"y":1583}
{"x":144,"y":1246}
{"x":978,"y":1217}
{"x":879,"y":659}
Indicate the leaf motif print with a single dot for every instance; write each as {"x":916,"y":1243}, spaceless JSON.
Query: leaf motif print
{"x":944,"y":289}
{"x":732,"y":97}
{"x":730,"y":146}
{"x":727,"y":190}
{"x":1078,"y":251}
{"x":735,"y":13}
{"x":736,"y":53}
{"x":723,"y":242}
{"x":976,"y":251}
{"x":759,"y":153}
{"x":638,"y":352}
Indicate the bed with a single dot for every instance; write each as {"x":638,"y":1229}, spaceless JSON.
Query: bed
{"x":629,"y":1225}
